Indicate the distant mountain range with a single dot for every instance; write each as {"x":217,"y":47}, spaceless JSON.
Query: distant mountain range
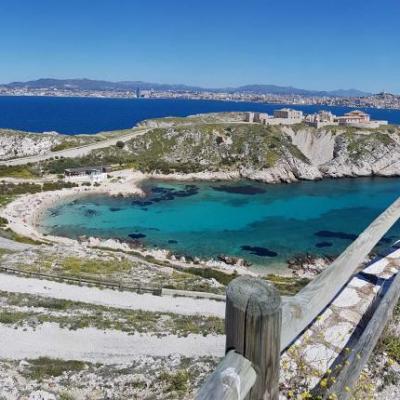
{"x":89,"y":84}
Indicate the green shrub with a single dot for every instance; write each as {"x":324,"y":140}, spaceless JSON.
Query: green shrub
{"x":45,"y":367}
{"x":209,"y":273}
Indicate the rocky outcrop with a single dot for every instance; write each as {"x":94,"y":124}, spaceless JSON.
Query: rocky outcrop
{"x":222,"y":117}
{"x":269,"y":153}
{"x":14,"y":144}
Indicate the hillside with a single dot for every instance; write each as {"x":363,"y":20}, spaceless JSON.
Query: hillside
{"x":90,"y":84}
{"x":265,"y":153}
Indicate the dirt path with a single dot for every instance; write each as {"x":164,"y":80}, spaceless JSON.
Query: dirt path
{"x":112,"y":298}
{"x":8,"y":244}
{"x":107,"y":347}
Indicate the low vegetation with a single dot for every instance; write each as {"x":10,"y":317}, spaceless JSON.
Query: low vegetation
{"x":11,"y":235}
{"x":88,"y":267}
{"x":13,"y":189}
{"x":75,"y":315}
{"x":45,"y":367}
{"x":26,"y":171}
{"x":210,"y":273}
{"x":287,"y":285}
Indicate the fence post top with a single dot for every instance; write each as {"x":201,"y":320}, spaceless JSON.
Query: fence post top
{"x":246,"y":291}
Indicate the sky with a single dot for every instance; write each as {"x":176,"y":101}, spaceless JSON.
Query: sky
{"x":311,"y":44}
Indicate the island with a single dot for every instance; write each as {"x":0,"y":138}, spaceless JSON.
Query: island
{"x":152,"y":301}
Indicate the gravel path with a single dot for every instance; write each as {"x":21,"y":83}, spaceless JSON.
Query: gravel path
{"x":112,"y":298}
{"x":76,"y":151}
{"x":107,"y":347}
{"x":8,"y":244}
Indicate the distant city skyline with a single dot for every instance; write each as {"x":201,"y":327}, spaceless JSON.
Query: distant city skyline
{"x":312,"y":45}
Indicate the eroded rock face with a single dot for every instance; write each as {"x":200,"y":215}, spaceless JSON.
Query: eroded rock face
{"x":13,"y":144}
{"x":317,"y":146}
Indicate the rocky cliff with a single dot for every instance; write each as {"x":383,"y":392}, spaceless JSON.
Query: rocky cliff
{"x":267,"y":153}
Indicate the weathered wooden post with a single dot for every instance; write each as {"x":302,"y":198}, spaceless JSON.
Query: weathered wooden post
{"x":253,"y":329}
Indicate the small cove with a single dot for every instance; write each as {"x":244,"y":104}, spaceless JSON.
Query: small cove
{"x":265,"y":224}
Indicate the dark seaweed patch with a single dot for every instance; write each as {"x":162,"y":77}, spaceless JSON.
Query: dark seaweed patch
{"x":337,"y":235}
{"x":323,"y":244}
{"x":160,"y":193}
{"x":259,"y":251}
{"x":239,"y":189}
{"x":141,"y":203}
{"x":90,"y":212}
{"x":137,"y":235}
{"x":349,"y":236}
{"x":54,"y":213}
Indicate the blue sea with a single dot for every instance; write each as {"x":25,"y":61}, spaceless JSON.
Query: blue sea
{"x":265,"y":224}
{"x":91,"y":115}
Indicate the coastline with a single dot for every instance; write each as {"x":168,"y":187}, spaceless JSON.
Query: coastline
{"x":25,"y":213}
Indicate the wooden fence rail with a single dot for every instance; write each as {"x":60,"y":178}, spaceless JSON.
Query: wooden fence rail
{"x":82,"y":280}
{"x":255,"y":314}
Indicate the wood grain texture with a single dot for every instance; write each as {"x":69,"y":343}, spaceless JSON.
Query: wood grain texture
{"x":253,"y":329}
{"x":357,"y":359}
{"x":231,"y":380}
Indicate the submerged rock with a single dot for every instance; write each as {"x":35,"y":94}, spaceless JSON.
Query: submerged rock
{"x":336,"y":235}
{"x":259,"y":251}
{"x":239,"y":189}
{"x":323,"y":244}
{"x":137,"y":235}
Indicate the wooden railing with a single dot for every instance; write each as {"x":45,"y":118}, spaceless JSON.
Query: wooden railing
{"x":260,"y":324}
{"x":84,"y":280}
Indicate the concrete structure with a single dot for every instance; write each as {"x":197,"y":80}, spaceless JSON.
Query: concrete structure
{"x":353,"y":117}
{"x":288,"y":113}
{"x":287,"y":116}
{"x":359,"y":119}
{"x":260,"y":117}
{"x":256,"y":117}
{"x":249,"y":117}
{"x":322,"y":118}
{"x":86,"y":174}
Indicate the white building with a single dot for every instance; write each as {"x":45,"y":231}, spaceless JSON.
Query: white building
{"x":359,"y":119}
{"x":288,"y":113}
{"x":322,"y":118}
{"x":256,"y":117}
{"x":86,"y":174}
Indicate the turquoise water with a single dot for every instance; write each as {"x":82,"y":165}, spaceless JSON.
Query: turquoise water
{"x":266,"y":224}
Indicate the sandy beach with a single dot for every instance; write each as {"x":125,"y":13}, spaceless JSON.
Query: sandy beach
{"x":26,"y":212}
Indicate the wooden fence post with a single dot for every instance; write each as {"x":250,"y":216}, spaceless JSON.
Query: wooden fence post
{"x":253,"y":329}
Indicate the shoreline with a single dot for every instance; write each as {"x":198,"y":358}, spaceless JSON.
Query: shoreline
{"x":25,"y":213}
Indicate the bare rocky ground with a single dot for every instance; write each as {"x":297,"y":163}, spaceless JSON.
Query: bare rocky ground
{"x":171,"y":377}
{"x":146,"y":377}
{"x":83,"y":261}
